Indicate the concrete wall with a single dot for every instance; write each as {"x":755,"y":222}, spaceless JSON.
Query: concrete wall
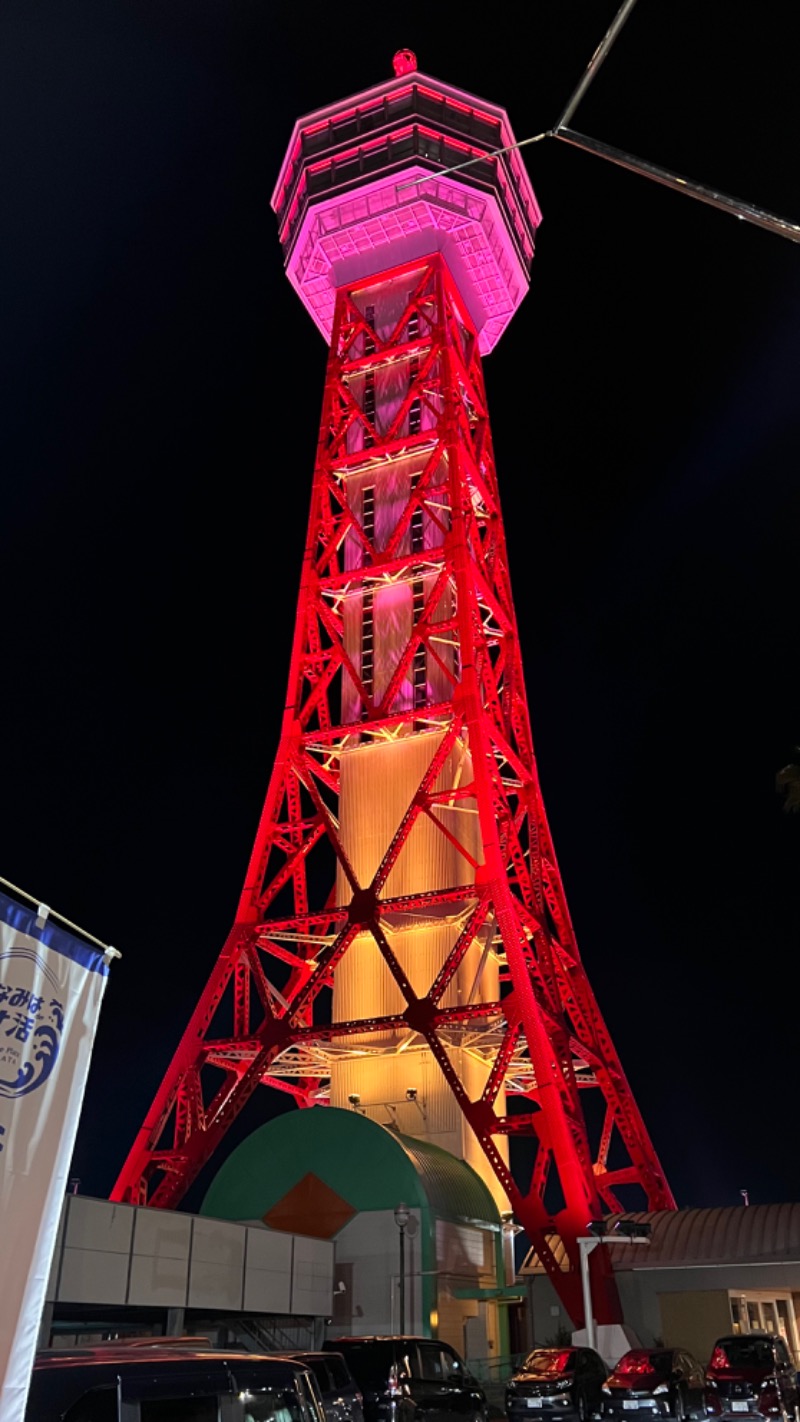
{"x":547,"y":1317}
{"x":695,"y":1320}
{"x":466,"y":1258}
{"x":370,"y":1244}
{"x":686,"y":1305}
{"x":126,"y":1255}
{"x":368,"y":1252}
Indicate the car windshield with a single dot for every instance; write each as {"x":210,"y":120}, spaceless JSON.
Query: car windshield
{"x":271,"y":1405}
{"x":320,"y":1371}
{"x":747,"y":1352}
{"x":371,"y":1363}
{"x":549,"y":1361}
{"x":339,"y":1373}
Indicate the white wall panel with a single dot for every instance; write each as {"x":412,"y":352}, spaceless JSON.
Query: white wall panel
{"x":268,"y":1271}
{"x":371,"y":1243}
{"x":93,"y":1276}
{"x":160,"y":1262}
{"x":99,"y":1224}
{"x":162,"y":1232}
{"x":158,"y":1279}
{"x":312,"y":1275}
{"x":216,"y":1269}
{"x":118,"y":1254}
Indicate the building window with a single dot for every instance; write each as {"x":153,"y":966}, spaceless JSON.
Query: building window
{"x":416,"y":527}
{"x":412,"y":332}
{"x":419,"y":671}
{"x":415,"y":408}
{"x":369,"y":409}
{"x":368,"y":513}
{"x":369,"y":338}
{"x":367,"y":648}
{"x":369,"y":379}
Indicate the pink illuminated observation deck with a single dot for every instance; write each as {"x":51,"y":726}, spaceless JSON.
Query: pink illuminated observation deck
{"x":360,"y":191}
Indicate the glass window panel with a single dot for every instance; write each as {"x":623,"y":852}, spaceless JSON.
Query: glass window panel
{"x":179,"y":1409}
{"x":95,"y":1407}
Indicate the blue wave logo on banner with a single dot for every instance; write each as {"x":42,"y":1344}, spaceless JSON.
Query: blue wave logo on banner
{"x":31,"y":1022}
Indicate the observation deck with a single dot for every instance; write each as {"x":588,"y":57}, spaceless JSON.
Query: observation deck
{"x":360,"y":191}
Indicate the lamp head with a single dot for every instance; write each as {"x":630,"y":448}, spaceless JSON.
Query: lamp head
{"x":402,"y":1215}
{"x":633,"y":1229}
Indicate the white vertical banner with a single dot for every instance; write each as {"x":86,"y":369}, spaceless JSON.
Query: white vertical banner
{"x":51,"y":988}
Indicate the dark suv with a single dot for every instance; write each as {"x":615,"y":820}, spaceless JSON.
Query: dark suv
{"x":751,"y":1375}
{"x":156,"y":1380}
{"x":406,"y":1379}
{"x":650,"y":1383}
{"x":340,"y":1391}
{"x":557,"y":1382}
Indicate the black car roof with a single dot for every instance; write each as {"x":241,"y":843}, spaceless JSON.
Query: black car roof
{"x":105,"y":1354}
{"x":648,"y":1352}
{"x":378,"y":1338}
{"x":61,"y":1376}
{"x":298,"y":1353}
{"x":737,"y":1337}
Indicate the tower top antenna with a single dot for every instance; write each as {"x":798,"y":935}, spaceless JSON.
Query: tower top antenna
{"x":404,"y":62}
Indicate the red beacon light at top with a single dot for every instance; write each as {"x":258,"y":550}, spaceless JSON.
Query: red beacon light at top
{"x":404,"y":62}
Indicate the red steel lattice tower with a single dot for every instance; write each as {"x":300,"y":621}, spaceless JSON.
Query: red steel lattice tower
{"x":403,"y":916}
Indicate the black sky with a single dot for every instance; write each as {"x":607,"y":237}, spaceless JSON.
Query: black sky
{"x":161,"y":388}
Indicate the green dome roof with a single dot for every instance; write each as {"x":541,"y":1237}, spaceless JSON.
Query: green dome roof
{"x":369,"y":1167}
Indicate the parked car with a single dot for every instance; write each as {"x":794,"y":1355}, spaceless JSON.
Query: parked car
{"x":341,"y":1394}
{"x":557,"y":1382}
{"x":751,"y":1374}
{"x":656,"y":1382}
{"x":119,"y":1383}
{"x":406,"y":1379}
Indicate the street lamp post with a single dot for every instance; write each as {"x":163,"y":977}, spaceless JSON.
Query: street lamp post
{"x":402,"y":1215}
{"x":585,"y":1246}
{"x":625,"y":1232}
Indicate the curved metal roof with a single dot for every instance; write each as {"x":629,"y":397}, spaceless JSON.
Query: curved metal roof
{"x":753,"y":1234}
{"x":453,"y":1189}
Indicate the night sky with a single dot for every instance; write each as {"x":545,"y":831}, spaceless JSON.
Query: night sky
{"x":161,"y":389}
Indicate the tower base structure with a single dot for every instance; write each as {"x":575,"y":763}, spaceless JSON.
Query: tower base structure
{"x":333,"y":1174}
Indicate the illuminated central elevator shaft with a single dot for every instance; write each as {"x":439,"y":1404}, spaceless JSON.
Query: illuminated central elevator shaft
{"x":401,"y":636}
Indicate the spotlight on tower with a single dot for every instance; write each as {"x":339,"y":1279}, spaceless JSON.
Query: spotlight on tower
{"x":354,"y":1099}
{"x":411,"y":1093}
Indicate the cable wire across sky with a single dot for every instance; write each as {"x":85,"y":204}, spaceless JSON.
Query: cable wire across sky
{"x":745,"y":211}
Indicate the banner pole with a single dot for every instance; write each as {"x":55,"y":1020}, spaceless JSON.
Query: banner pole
{"x":46,"y":912}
